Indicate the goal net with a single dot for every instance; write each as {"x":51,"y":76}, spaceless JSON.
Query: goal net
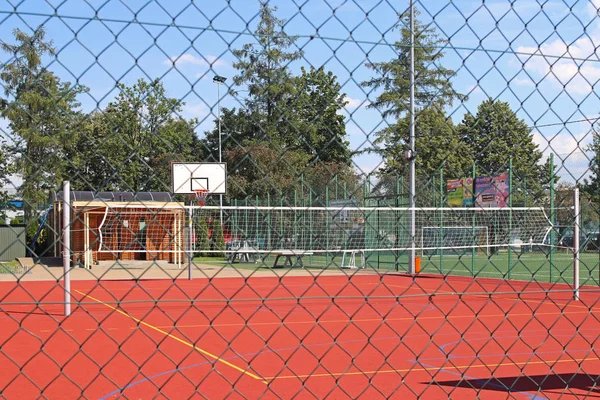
{"x":372,"y":229}
{"x":456,"y":239}
{"x":138,"y":233}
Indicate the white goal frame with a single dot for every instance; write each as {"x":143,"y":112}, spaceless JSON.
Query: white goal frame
{"x":485,"y":229}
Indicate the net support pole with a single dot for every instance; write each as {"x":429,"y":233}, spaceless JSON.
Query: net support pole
{"x":190,"y":243}
{"x":473,"y":250}
{"x":510,"y":228}
{"x":66,"y":245}
{"x":552,"y":216}
{"x":441,"y":243}
{"x":411,"y":194}
{"x":576,"y":249}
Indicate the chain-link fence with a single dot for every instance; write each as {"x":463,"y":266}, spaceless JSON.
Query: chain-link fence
{"x":299,"y":199}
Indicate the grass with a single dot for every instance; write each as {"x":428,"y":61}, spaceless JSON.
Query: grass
{"x":536,"y":266}
{"x":10,"y":267}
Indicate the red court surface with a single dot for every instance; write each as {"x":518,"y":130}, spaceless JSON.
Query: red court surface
{"x":365,"y":336}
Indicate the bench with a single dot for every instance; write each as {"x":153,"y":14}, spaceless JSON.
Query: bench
{"x":244,"y":253}
{"x":289,"y":255}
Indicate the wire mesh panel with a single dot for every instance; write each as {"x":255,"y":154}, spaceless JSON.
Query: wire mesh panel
{"x":401,"y":199}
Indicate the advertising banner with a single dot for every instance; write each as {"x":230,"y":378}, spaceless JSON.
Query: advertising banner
{"x":492,"y":191}
{"x":460,"y":192}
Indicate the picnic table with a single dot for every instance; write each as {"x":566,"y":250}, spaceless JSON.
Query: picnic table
{"x":292,"y":258}
{"x":243,"y":252}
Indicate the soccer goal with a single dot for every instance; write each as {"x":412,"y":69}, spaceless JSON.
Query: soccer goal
{"x":137,"y":231}
{"x":454,"y":239}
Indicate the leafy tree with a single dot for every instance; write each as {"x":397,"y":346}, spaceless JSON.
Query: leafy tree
{"x":202,"y":238}
{"x":132,"y":142}
{"x":259,"y":169}
{"x":42,"y":116}
{"x":592,"y":184}
{"x":217,"y":237}
{"x":437,"y":142}
{"x":320,"y":129}
{"x":238,"y":127}
{"x":495,"y":135}
{"x":264,"y":69}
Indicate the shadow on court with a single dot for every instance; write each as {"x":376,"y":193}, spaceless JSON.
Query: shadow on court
{"x":588,"y":383}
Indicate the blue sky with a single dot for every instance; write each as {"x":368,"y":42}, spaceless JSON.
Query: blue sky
{"x":538,"y":56}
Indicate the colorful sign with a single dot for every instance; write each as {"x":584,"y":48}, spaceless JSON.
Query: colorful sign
{"x":460,"y":192}
{"x":492,"y":191}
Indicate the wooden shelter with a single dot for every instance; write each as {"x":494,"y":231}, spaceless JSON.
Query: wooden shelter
{"x":120,"y":226}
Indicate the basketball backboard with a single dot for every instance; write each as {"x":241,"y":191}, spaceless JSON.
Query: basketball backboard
{"x":188,"y":178}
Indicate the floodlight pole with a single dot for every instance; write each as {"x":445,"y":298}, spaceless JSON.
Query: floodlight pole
{"x":412,"y":154}
{"x":219,"y":80}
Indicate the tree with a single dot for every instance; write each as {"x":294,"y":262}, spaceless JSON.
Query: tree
{"x":238,"y":127}
{"x":259,"y":169}
{"x":320,"y":129}
{"x":217,"y":238}
{"x":130,"y":145}
{"x":432,"y":81}
{"x":592,"y":184}
{"x":264,"y":69}
{"x":202,"y":244}
{"x":437,"y":142}
{"x":42,"y":116}
{"x":495,"y":135}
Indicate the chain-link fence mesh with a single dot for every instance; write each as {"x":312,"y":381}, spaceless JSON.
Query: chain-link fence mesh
{"x":237,"y":221}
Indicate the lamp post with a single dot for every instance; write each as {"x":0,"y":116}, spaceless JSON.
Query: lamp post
{"x":219,"y":80}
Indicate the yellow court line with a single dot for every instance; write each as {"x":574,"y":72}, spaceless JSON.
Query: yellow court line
{"x":157,"y":329}
{"x":430,"y":369}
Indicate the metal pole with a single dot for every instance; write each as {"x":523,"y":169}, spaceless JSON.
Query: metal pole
{"x":510,"y":217}
{"x":576,"y":244}
{"x":66,"y":243}
{"x":191,"y":235}
{"x":220,"y":156}
{"x":552,"y":216}
{"x":411,"y":195}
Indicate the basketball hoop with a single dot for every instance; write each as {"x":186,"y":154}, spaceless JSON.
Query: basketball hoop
{"x":201,"y":196}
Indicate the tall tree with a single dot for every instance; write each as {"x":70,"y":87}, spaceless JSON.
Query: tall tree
{"x":436,"y":136}
{"x":131,"y":143}
{"x":42,"y":116}
{"x":320,"y":128}
{"x":264,"y":69}
{"x":437,"y":141}
{"x":495,"y":135}
{"x":432,"y":81}
{"x":592,"y":183}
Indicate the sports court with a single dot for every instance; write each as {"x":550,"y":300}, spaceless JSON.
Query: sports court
{"x":342,"y":336}
{"x":315,"y":199}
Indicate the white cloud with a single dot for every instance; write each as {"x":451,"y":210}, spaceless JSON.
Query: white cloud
{"x":562,"y":143}
{"x":204,"y":60}
{"x":571,"y":154}
{"x":473,"y":90}
{"x":592,"y":8}
{"x":565,"y":66}
{"x":523,"y":82}
{"x":353,"y":103}
{"x":199,"y":111}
